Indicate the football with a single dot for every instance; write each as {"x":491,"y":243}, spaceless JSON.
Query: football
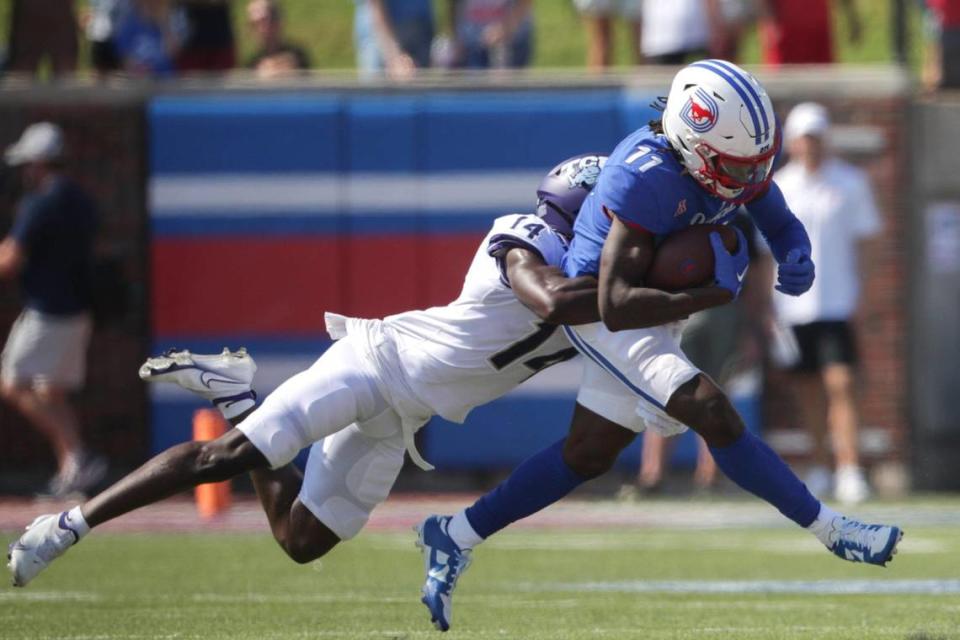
{"x":685,"y":259}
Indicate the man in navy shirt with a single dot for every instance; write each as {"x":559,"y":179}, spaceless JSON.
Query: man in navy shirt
{"x":49,"y":249}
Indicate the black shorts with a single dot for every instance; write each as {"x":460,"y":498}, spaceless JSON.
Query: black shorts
{"x":823,"y":343}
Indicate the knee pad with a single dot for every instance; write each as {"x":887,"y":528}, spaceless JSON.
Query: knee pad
{"x":348,"y":475}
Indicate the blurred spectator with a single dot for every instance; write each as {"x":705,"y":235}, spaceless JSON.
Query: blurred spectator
{"x":393,"y":36}
{"x":801,"y":32}
{"x":494,"y":34}
{"x":835,"y":204}
{"x":208,"y":42}
{"x":148,"y":37}
{"x":598,"y":16}
{"x":678,"y":30}
{"x":101,"y":21}
{"x":275,"y":56}
{"x":50,"y":249}
{"x":42,"y":29}
{"x":941,"y":67}
{"x":737,"y":16}
{"x":721,"y":342}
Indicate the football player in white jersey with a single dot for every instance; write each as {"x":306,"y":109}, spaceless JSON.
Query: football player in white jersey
{"x":362,"y":401}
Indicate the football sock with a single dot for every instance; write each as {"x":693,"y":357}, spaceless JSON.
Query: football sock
{"x":822,"y":525}
{"x":538,"y":482}
{"x":77,"y":523}
{"x":461,"y":532}
{"x":756,"y":468}
{"x":233,"y":406}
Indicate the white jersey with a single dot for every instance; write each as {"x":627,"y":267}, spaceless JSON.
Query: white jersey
{"x":835,"y":205}
{"x":486,"y":342}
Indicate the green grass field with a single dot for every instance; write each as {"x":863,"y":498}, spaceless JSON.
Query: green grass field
{"x":636,"y":583}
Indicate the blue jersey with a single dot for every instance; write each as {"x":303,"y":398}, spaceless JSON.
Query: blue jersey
{"x":643,"y":184}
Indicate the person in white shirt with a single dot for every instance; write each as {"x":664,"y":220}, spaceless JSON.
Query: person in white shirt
{"x":674,"y":31}
{"x":834,"y":202}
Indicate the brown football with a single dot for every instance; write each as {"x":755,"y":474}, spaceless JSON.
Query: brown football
{"x":685,"y":259}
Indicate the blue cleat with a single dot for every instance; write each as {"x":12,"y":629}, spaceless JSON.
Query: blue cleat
{"x":444,"y":563}
{"x":858,"y":542}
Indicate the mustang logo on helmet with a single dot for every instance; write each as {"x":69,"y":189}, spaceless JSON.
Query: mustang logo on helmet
{"x":700,"y":111}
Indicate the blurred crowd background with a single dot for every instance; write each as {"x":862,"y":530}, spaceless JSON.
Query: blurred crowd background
{"x":297,"y":146}
{"x":168,"y":38}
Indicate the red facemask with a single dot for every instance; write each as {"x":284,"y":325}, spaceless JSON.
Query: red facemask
{"x":748,"y":176}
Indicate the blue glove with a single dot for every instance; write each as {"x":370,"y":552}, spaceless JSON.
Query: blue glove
{"x":729,"y":269}
{"x":795,"y":274}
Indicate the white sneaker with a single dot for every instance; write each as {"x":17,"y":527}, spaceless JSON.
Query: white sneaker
{"x":851,"y":485}
{"x":46,"y":539}
{"x":224,"y":379}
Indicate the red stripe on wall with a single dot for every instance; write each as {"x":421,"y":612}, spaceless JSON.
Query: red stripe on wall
{"x":283,"y":285}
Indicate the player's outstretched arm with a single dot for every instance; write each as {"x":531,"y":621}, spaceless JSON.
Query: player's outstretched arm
{"x":625,"y":303}
{"x":787,"y":239}
{"x":548,"y":292}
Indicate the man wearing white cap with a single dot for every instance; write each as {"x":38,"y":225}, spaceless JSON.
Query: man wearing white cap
{"x":834,"y":202}
{"x":49,"y":249}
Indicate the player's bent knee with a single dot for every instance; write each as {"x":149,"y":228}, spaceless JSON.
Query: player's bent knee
{"x":303,"y":550}
{"x":703,"y":407}
{"x":307,"y":539}
{"x":718,"y":422}
{"x":588,"y":460}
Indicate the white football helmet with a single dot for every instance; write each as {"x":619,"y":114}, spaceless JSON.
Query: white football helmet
{"x":721,"y":122}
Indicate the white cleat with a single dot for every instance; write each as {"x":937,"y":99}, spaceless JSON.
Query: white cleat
{"x":224,"y":379}
{"x":46,"y":539}
{"x":860,"y":542}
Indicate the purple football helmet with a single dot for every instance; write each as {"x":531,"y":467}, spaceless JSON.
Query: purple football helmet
{"x":563,"y":190}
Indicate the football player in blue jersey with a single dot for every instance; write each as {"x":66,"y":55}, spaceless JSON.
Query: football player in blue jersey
{"x":712,"y":151}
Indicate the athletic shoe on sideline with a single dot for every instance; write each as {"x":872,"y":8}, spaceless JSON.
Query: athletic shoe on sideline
{"x":851,"y":486}
{"x":859,"y":542}
{"x":224,"y":379}
{"x":444,"y":563}
{"x":79,"y":477}
{"x":46,"y":539}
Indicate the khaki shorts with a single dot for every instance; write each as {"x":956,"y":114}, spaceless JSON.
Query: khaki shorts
{"x":46,"y":351}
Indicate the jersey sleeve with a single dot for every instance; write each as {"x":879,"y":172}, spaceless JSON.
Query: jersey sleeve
{"x":632,"y":197}
{"x":528,"y":232}
{"x":28,"y":221}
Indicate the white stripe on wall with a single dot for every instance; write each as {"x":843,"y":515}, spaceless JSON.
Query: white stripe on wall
{"x":312,"y":194}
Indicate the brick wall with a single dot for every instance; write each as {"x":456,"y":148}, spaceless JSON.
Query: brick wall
{"x":106,"y":144}
{"x":878,"y":144}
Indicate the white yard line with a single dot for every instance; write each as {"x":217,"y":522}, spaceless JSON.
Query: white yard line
{"x":805,"y":587}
